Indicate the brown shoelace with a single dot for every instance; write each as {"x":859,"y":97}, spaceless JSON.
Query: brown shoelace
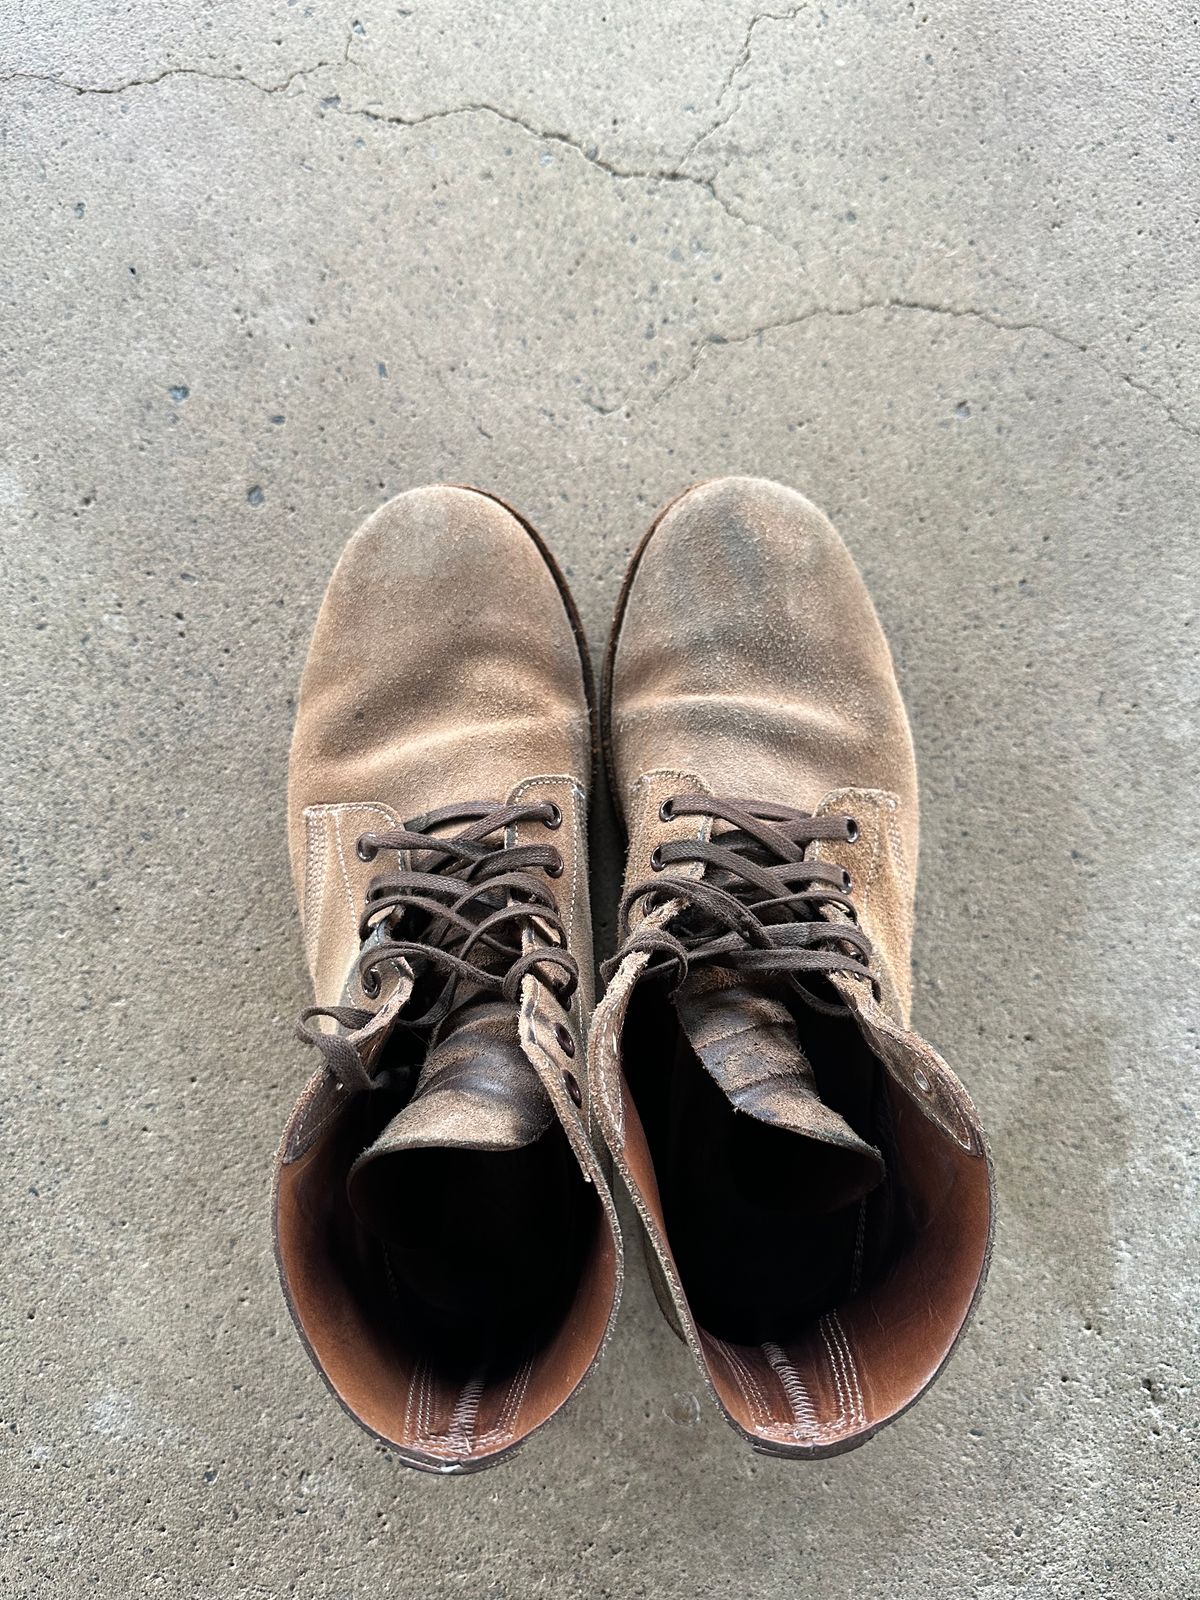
{"x":758,"y":908}
{"x":458,"y":909}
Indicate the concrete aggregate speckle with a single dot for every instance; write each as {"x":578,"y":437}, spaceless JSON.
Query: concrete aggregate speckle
{"x":265,"y":265}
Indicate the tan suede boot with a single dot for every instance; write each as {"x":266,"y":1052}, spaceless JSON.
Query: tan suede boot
{"x":811,"y":1175}
{"x":446,"y":1239}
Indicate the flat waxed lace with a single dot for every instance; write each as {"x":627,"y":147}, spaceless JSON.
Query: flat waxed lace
{"x":758,"y":908}
{"x":460,"y":907}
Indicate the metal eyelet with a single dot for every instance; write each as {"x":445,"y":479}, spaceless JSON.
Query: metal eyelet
{"x":555,"y":869}
{"x":573,"y":1089}
{"x":666,"y":811}
{"x":566,"y":1039}
{"x":369,"y":984}
{"x":921,"y":1081}
{"x":852,"y":830}
{"x":365,"y":848}
{"x":656,"y":861}
{"x":554,"y":820}
{"x":847,"y":882}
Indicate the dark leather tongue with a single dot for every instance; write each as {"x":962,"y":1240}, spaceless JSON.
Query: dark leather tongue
{"x":747,"y":1042}
{"x":476,"y":1091}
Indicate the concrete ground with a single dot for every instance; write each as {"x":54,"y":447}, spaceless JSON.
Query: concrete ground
{"x":264,"y":264}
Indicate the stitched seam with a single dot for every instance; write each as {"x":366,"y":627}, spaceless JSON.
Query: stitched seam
{"x":408,"y":1408}
{"x":738,"y":1383}
{"x":337,"y":834}
{"x":503,"y":1427}
{"x":845,"y":1359}
{"x":893,"y":830}
{"x":840,"y":1420}
{"x":859,"y":1244}
{"x":876,"y":842}
{"x":318,"y":820}
{"x":853,"y":1366}
{"x":668,"y":772}
{"x":752,"y":1393}
{"x":466,"y":1409}
{"x":764,"y":1410}
{"x":515,"y":1398}
{"x":838,"y":1354}
{"x":314,"y":882}
{"x":803,"y":1414}
{"x":425,"y":1405}
{"x":307,"y":1132}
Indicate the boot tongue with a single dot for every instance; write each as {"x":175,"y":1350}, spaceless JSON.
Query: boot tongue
{"x":746,"y":1040}
{"x":476,"y":1091}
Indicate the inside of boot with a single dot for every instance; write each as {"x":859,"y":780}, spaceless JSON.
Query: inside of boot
{"x":469,"y":1303}
{"x":762,"y":1244}
{"x":476,"y":1253}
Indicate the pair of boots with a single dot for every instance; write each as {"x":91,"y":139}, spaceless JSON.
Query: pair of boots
{"x":812,"y":1179}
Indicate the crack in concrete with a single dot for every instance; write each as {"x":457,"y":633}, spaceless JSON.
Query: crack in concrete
{"x":739,"y":64}
{"x":162,"y":76}
{"x":717,"y":340}
{"x":588,"y":153}
{"x":665,"y":175}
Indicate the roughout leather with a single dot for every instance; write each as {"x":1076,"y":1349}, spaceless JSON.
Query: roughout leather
{"x":446,"y":665}
{"x":747,"y":661}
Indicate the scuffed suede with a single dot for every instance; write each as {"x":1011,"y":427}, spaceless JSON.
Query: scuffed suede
{"x":446,"y":667}
{"x":747,"y":663}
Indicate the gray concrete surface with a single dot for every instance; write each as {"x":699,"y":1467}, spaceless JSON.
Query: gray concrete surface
{"x":263,"y":265}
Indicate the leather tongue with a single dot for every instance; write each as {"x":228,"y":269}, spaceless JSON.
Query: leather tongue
{"x":476,"y":1091}
{"x":747,"y":1042}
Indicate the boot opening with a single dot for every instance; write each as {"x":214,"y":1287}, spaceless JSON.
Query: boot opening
{"x":817,"y":1321}
{"x":768,"y":1228}
{"x":454,"y":1298}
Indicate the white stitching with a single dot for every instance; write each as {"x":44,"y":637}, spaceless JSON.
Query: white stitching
{"x":796,"y":1395}
{"x":337,"y":834}
{"x":757,"y":1401}
{"x":840,"y":1420}
{"x":466,"y":1409}
{"x":503,"y":1427}
{"x":314,"y":882}
{"x":852,"y":1364}
{"x":735,"y":1373}
{"x":354,"y":805}
{"x":408,"y":1409}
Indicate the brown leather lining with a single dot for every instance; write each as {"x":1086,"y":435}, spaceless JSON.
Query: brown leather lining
{"x":395,"y":1391}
